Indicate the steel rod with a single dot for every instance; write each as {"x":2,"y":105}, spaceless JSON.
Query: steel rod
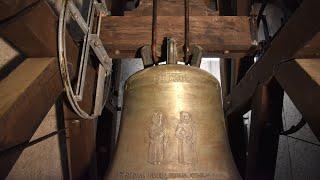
{"x":154,"y":31}
{"x":187,"y":30}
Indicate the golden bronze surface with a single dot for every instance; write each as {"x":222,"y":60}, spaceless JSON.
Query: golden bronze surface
{"x":172,"y":127}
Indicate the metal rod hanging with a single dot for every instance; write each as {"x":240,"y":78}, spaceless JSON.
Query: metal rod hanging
{"x":154,"y":31}
{"x":186,"y":34}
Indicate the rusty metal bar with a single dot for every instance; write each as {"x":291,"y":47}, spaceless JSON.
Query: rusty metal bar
{"x":187,"y":31}
{"x":154,"y":31}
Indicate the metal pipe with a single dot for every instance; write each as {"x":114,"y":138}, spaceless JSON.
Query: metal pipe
{"x":186,"y":34}
{"x":154,"y":31}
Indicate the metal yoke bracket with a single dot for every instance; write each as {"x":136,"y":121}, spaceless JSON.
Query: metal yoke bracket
{"x":91,"y":40}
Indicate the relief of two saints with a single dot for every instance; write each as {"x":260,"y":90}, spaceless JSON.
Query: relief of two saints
{"x":184,"y":137}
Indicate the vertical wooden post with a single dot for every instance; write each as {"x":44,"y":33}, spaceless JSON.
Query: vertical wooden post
{"x":225,"y":76}
{"x":81,"y":135}
{"x":265,"y":126}
{"x":232,"y":71}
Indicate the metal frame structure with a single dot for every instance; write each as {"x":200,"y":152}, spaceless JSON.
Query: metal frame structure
{"x":90,"y":40}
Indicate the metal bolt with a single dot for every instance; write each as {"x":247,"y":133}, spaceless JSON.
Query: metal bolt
{"x":96,"y":43}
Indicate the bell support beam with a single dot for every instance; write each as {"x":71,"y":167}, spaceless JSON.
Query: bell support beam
{"x":27,"y":94}
{"x":282,"y":48}
{"x":301,"y":81}
{"x":34,"y":32}
{"x":218,"y":35}
{"x":81,"y":135}
{"x":11,"y":8}
{"x":311,"y":49}
{"x":265,"y":126}
{"x":174,"y":8}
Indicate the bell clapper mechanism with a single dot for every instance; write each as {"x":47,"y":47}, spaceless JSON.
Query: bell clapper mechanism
{"x":172,"y":122}
{"x":91,"y":40}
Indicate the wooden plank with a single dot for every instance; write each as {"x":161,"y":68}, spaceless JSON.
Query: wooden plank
{"x":301,"y":81}
{"x":174,"y":8}
{"x":26,"y":95}
{"x":225,"y":76}
{"x":265,"y":125}
{"x":11,"y":8}
{"x":311,"y":49}
{"x":283,"y":47}
{"x":219,"y":36}
{"x":35,"y":33}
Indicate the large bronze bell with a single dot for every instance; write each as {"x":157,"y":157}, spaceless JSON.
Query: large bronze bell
{"x":172,"y":127}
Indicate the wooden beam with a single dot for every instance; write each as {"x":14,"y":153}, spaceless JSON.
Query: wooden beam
{"x":27,"y":94}
{"x":283,"y":47}
{"x":82,"y":133}
{"x":265,"y":126}
{"x":174,"y":8}
{"x":34,"y":33}
{"x":219,"y":36}
{"x":301,"y":81}
{"x":225,"y":76}
{"x":11,"y":8}
{"x":311,"y":49}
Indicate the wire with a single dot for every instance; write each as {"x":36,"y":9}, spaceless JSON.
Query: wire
{"x":315,"y":144}
{"x":295,"y":128}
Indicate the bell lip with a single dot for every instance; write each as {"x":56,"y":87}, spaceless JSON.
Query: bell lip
{"x":177,"y":65}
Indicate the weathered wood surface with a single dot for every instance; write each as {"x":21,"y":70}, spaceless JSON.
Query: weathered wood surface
{"x":174,"y":8}
{"x":301,"y":81}
{"x":265,"y":125}
{"x":26,"y":94}
{"x":123,"y":36}
{"x":9,"y":8}
{"x":82,"y":133}
{"x":35,"y":33}
{"x":29,"y":90}
{"x":311,"y":49}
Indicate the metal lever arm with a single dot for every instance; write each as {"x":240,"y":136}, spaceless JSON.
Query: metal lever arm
{"x":90,"y":41}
